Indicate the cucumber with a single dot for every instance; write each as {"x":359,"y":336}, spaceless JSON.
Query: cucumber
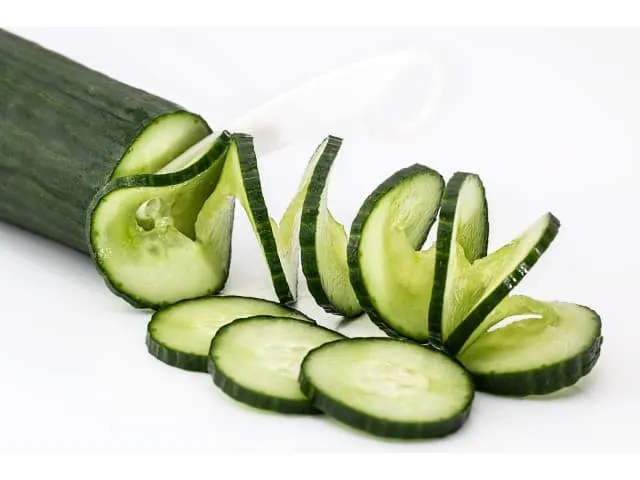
{"x":256,"y":361}
{"x":241,"y":179}
{"x":64,"y":128}
{"x":149,"y":237}
{"x":163,"y":237}
{"x":557,"y":345}
{"x":388,"y":387}
{"x":391,"y":277}
{"x":323,"y":241}
{"x":463,"y":228}
{"x":180,"y":335}
{"x":478,"y":288}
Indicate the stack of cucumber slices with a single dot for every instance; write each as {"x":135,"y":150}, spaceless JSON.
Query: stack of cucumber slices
{"x":160,"y":233}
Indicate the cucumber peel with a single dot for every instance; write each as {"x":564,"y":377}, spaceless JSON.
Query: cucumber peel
{"x":323,"y":241}
{"x":391,"y":276}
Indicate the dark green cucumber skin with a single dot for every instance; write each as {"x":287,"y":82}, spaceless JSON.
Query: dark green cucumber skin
{"x":308,"y":226}
{"x":174,"y":358}
{"x":251,"y":397}
{"x":189,"y":361}
{"x":63,"y":129}
{"x":214,"y":158}
{"x":260,"y":213}
{"x":544,"y":380}
{"x":446,"y":220}
{"x":355,"y":236}
{"x":378,"y":427}
{"x":462,"y":332}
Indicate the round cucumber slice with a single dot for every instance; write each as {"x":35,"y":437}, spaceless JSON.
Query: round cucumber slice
{"x":180,"y":335}
{"x":552,"y":349}
{"x":256,"y":361}
{"x":388,"y":387}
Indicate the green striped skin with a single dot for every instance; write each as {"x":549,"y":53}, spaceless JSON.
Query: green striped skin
{"x":175,"y":358}
{"x":251,"y":396}
{"x":383,"y":427}
{"x":213,"y":159}
{"x":355,"y":237}
{"x":474,"y":319}
{"x":309,"y":231}
{"x":475,"y":247}
{"x":197,"y":362}
{"x":260,"y":217}
{"x":64,"y":127}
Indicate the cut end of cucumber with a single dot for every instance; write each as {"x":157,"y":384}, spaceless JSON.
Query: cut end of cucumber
{"x":389,"y":388}
{"x":257,"y":361}
{"x":146,"y":235}
{"x":390,"y":276}
{"x":537,"y":355}
{"x":180,"y":335}
{"x":164,"y":139}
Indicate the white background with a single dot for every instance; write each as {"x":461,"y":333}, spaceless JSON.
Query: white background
{"x":549,"y":119}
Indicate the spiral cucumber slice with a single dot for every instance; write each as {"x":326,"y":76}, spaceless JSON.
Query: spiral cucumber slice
{"x":391,"y":276}
{"x":323,"y":241}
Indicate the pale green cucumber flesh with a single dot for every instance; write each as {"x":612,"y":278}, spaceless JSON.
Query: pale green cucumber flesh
{"x":164,"y":139}
{"x":279,"y":242}
{"x":149,"y":237}
{"x":323,"y":240}
{"x":476,"y":289}
{"x":387,"y":387}
{"x":463,"y":231}
{"x":554,"y":347}
{"x":392,"y":278}
{"x":256,"y":361}
{"x":180,"y":335}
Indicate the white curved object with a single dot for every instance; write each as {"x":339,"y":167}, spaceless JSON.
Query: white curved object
{"x":345,"y":98}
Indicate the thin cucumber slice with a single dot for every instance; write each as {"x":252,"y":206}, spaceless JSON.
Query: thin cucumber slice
{"x":146,"y":233}
{"x":323,"y":241}
{"x":256,"y":361}
{"x":552,"y":349}
{"x":476,"y":289}
{"x":391,"y":277}
{"x":164,"y":139}
{"x":387,"y":387}
{"x":463,"y":228}
{"x":180,"y":335}
{"x":279,"y":242}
